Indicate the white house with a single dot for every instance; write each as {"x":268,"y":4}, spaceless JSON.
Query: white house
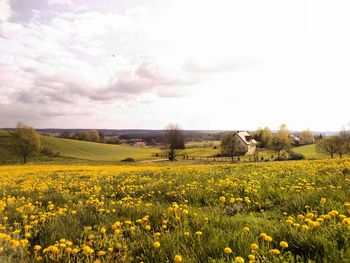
{"x":247,"y":144}
{"x":139,"y":144}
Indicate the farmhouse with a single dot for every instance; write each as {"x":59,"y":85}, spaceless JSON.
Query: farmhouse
{"x":295,"y":139}
{"x":139,"y":144}
{"x":247,"y":144}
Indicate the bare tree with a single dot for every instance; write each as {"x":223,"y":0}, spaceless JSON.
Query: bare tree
{"x":345,"y":138}
{"x":328,"y":145}
{"x":342,"y":143}
{"x":174,"y":140}
{"x":230,"y":145}
{"x":27,"y":141}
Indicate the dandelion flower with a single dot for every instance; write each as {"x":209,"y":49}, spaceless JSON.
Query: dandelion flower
{"x":227,"y":250}
{"x":37,"y":247}
{"x":245,"y":229}
{"x":199,"y":233}
{"x":222,"y":199}
{"x":254,"y":246}
{"x":178,"y":259}
{"x":101,"y":253}
{"x":284,"y":244}
{"x":275,"y":251}
{"x":239,"y":260}
{"x":268,"y":239}
{"x":156,"y":244}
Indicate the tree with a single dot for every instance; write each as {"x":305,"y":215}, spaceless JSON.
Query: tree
{"x":80,"y":135}
{"x":345,"y":138}
{"x":281,"y":140}
{"x":101,"y":136}
{"x":307,"y":137}
{"x":174,"y":140}
{"x":93,"y":136}
{"x":263,"y":137}
{"x":327,"y":145}
{"x":340,"y":145}
{"x":27,"y":141}
{"x":230,"y":145}
{"x":342,"y":142}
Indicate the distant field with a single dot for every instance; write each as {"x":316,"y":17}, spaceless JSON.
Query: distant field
{"x":203,"y":144}
{"x":73,"y":150}
{"x":201,"y":149}
{"x":309,"y":151}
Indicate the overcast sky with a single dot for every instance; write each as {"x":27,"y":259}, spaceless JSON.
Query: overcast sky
{"x":203,"y":64}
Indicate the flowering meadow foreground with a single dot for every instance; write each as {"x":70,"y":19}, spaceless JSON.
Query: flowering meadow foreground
{"x":267,"y":212}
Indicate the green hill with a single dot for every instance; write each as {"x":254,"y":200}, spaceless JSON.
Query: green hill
{"x":73,"y":150}
{"x":6,"y":154}
{"x":309,"y":151}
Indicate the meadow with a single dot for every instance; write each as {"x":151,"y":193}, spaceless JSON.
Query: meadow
{"x":256,"y":212}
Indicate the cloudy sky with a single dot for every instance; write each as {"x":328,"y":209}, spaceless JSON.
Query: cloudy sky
{"x":203,"y":64}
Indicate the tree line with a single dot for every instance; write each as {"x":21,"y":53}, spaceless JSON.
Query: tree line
{"x":336,"y":144}
{"x":91,"y":136}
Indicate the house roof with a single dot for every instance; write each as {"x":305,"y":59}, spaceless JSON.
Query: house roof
{"x":246,"y":137}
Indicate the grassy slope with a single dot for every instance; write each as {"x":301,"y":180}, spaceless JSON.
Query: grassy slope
{"x":97,"y":151}
{"x":72,"y":150}
{"x":309,"y":151}
{"x":6,"y":155}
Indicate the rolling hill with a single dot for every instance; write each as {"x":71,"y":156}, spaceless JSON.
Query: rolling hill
{"x":309,"y":151}
{"x":75,"y":151}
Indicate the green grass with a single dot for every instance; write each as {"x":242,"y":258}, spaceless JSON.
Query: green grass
{"x":97,"y":151}
{"x":201,"y":149}
{"x":6,"y":150}
{"x":309,"y":151}
{"x":76,"y":151}
{"x":203,"y":144}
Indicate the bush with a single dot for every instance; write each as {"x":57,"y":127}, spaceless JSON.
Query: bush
{"x":281,"y":158}
{"x":128,"y":160}
{"x":295,"y":156}
{"x":47,"y":151}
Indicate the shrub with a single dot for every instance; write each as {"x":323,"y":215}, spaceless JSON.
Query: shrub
{"x":281,"y":158}
{"x":47,"y":151}
{"x":295,"y":156}
{"x":128,"y":160}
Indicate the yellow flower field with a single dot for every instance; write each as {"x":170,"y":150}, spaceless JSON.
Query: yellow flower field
{"x":265,"y":212}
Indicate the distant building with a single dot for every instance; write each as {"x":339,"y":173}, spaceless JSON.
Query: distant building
{"x":139,"y":144}
{"x":295,"y":139}
{"x":247,"y":144}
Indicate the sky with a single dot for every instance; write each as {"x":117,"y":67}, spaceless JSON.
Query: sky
{"x":219,"y":65}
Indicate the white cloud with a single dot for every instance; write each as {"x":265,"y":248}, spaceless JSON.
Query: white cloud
{"x":60,"y":2}
{"x":5,"y":10}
